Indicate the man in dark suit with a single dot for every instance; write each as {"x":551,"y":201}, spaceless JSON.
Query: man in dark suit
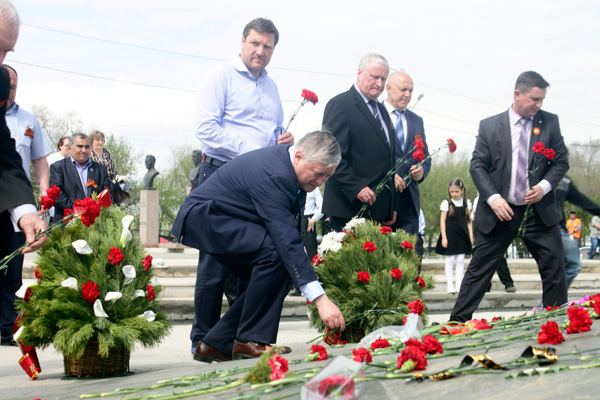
{"x":363,"y":129}
{"x":243,"y":215}
{"x":77,"y":176}
{"x":510,"y":176}
{"x":408,"y":127}
{"x":17,"y":209}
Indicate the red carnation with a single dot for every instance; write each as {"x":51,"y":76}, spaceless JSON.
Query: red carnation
{"x":150,"y":292}
{"x":451,"y":145}
{"x":416,"y":355}
{"x":115,"y":256}
{"x":90,"y":291}
{"x":415,"y":343}
{"x":421,"y":282}
{"x":362,"y":355}
{"x":279,"y":366}
{"x":386,"y":229}
{"x":539,"y":148}
{"x":310,"y":96}
{"x":416,"y":307}
{"x":432,"y":345}
{"x":147,"y":262}
{"x":317,"y":260}
{"x":419,"y":144}
{"x":550,"y":334}
{"x":53,"y":191}
{"x":380,"y":344}
{"x":364,"y":276}
{"x":579,"y":320}
{"x":369,"y":246}
{"x":406,"y":245}
{"x":89,"y":209}
{"x":333,"y":383}
{"x":319,"y":349}
{"x":418,"y":155}
{"x":595,"y":302}
{"x":550,"y":154}
{"x":396,"y":273}
{"x":68,"y":212}
{"x":47,"y":202}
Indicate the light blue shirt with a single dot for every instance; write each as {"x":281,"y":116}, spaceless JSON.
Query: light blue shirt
{"x":236,"y":112}
{"x":83,"y":172}
{"x":30,"y":141}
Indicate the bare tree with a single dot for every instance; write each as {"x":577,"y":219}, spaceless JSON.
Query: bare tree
{"x":56,"y":126}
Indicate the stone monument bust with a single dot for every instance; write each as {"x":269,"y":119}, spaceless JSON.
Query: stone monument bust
{"x":194,"y":175}
{"x":150,"y":174}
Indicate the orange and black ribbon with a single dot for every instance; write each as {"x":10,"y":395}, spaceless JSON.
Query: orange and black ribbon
{"x":29,"y":132}
{"x":545,"y":355}
{"x":91,"y":182}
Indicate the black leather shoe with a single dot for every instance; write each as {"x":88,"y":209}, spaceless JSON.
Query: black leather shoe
{"x":252,"y":350}
{"x":208,"y":354}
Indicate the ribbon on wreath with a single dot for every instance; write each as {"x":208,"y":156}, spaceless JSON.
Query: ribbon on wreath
{"x":29,"y":362}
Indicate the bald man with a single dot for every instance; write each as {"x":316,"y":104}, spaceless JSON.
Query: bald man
{"x":409,"y":127}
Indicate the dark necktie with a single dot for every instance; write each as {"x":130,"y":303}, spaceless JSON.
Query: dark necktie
{"x":399,"y":132}
{"x":375,"y":111}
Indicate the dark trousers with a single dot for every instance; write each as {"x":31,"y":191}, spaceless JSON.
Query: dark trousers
{"x":255,"y":315}
{"x":545,"y":244}
{"x":309,"y":238}
{"x":212,"y":280}
{"x":337,"y":223}
{"x":12,"y":280}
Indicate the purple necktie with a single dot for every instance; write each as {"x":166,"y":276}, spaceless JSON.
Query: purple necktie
{"x":522,"y":169}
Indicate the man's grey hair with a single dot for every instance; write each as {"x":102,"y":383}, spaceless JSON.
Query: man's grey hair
{"x":10,"y":12}
{"x":530,"y":79}
{"x":77,"y":135}
{"x":321,"y":147}
{"x":363,"y":65}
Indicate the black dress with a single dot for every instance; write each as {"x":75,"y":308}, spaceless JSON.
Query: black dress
{"x":457,"y":232}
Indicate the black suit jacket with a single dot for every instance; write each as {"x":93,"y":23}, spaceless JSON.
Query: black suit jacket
{"x":411,"y":196}
{"x":15,"y":188}
{"x":366,"y":157}
{"x":252,"y":196}
{"x":492,"y":163}
{"x":64,"y":175}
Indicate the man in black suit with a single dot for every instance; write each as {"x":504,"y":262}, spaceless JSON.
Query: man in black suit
{"x":243,"y":215}
{"x":17,"y":209}
{"x":77,"y":176}
{"x":363,"y":129}
{"x":408,"y":128}
{"x":510,"y":176}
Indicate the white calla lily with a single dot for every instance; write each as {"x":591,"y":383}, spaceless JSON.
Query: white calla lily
{"x":113,"y":296}
{"x":129,"y":272}
{"x":70,"y":283}
{"x":126,"y":236}
{"x":82,"y":247}
{"x":149,"y":315}
{"x":99,"y":310}
{"x":139,"y":293}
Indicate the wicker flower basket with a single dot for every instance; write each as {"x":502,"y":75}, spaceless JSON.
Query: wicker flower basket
{"x":92,"y":365}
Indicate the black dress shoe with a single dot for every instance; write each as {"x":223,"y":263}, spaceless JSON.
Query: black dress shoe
{"x":252,"y":350}
{"x":208,"y":354}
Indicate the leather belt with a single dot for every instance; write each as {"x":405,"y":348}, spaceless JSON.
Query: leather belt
{"x":213,"y":161}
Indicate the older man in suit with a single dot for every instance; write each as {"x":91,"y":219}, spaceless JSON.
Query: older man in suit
{"x":77,"y":176}
{"x":510,"y":177}
{"x":364,"y":131}
{"x":408,"y":128}
{"x":244,"y":217}
{"x":17,"y":209}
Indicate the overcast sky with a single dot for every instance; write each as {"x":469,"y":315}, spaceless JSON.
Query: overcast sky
{"x":131,"y":67}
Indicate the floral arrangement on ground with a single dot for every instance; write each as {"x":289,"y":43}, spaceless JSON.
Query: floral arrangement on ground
{"x":94,"y":283}
{"x":371,"y":274}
